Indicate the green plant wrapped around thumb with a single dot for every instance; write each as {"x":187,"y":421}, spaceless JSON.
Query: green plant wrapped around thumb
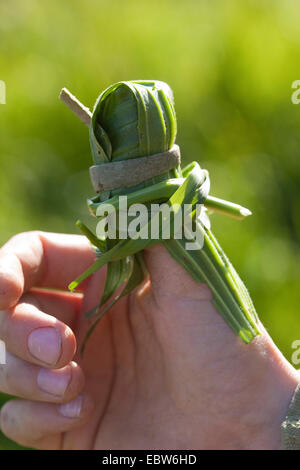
{"x":137,"y":119}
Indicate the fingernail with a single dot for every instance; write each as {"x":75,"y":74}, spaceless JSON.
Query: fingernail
{"x":72,"y":409}
{"x":45,"y":344}
{"x":54,"y":381}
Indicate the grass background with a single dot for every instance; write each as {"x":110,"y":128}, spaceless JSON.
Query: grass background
{"x":230,"y":64}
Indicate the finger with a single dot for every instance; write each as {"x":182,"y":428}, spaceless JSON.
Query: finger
{"x":21,"y":379}
{"x":62,"y":305}
{"x":29,"y":422}
{"x":36,"y":337}
{"x":40,"y":259}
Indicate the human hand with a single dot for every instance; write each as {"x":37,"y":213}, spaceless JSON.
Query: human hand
{"x":162,"y":370}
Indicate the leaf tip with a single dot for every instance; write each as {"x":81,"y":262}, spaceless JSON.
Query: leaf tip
{"x":245,"y":212}
{"x":72,"y":286}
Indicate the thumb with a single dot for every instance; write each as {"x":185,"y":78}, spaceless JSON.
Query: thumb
{"x":169,"y":278}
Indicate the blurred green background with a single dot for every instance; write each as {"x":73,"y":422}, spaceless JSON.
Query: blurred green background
{"x":230,"y":64}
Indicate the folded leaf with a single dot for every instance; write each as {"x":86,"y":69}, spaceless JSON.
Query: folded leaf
{"x":135,"y":119}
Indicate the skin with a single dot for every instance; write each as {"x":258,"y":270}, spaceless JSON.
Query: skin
{"x":162,"y":370}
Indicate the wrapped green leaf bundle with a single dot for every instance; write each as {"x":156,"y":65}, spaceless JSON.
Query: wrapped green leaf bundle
{"x":130,"y":121}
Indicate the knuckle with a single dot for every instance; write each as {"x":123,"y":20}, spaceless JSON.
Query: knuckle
{"x":31,"y":239}
{"x":3,"y":378}
{"x":3,"y":324}
{"x":21,"y":236}
{"x":7,"y":419}
{"x":11,"y":425}
{"x":30,"y":298}
{"x":11,"y":288}
{"x":9,"y":379}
